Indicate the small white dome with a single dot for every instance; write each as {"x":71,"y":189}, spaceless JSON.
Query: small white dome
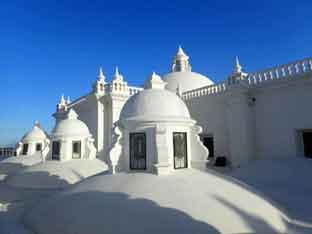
{"x":36,"y":134}
{"x":155,"y":104}
{"x":71,"y":127}
{"x":185,"y":80}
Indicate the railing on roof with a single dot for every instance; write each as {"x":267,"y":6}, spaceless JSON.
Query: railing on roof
{"x":122,"y":88}
{"x":133,"y":90}
{"x":206,"y":90}
{"x":290,"y":70}
{"x":284,"y":71}
{"x":7,"y":152}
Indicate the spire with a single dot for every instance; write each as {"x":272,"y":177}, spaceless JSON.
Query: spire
{"x":180,"y":61}
{"x":62,"y":100}
{"x":117,"y":76}
{"x":101,"y":76}
{"x":116,"y":71}
{"x":68,"y":100}
{"x":181,"y":52}
{"x":237,"y":74}
{"x":62,"y":105}
{"x":238,"y":67}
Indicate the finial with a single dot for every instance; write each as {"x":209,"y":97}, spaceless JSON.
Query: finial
{"x":101,"y":76}
{"x":180,"y":51}
{"x":238,"y":67}
{"x":62,"y":101}
{"x":116,"y":71}
{"x":117,"y":76}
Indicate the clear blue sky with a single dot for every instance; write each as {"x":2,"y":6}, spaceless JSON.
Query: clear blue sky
{"x":52,"y":47}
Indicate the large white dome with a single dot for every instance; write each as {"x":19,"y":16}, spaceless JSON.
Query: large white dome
{"x":71,"y":127}
{"x":190,"y":201}
{"x":155,"y":104}
{"x":36,"y":134}
{"x":185,"y":80}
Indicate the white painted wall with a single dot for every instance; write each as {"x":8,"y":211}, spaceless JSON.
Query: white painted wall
{"x":281,"y":110}
{"x":88,"y":151}
{"x":210,"y":114}
{"x":87,"y":112}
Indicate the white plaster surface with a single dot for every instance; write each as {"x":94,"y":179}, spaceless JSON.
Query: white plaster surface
{"x":13,"y":165}
{"x":283,"y":180}
{"x":188,"y":201}
{"x":56,"y":174}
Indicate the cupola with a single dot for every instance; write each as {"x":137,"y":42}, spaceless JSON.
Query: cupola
{"x":71,"y":139}
{"x":181,"y":62}
{"x":182,"y":77}
{"x":34,"y":141}
{"x":158,"y":134}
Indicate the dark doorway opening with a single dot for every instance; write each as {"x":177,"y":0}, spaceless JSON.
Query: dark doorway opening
{"x":25,"y":149}
{"x":307,"y":144}
{"x":208,"y":142}
{"x":180,"y":150}
{"x":38,"y":147}
{"x":56,"y":145}
{"x":76,"y":149}
{"x":138,"y":151}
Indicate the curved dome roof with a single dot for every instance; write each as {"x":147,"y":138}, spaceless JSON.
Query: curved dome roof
{"x":144,"y":203}
{"x":36,"y":134}
{"x":185,"y":80}
{"x":155,"y":104}
{"x":71,"y":126}
{"x":56,"y":174}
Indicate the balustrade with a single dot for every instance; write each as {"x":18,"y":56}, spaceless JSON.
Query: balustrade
{"x":284,"y":71}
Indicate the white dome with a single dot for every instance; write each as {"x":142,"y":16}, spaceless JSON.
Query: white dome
{"x":189,"y":201}
{"x":36,"y":134}
{"x":185,"y":80}
{"x":155,"y":104}
{"x":71,"y":127}
{"x":56,"y":174}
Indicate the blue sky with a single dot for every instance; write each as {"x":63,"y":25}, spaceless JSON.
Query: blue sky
{"x":52,"y":47}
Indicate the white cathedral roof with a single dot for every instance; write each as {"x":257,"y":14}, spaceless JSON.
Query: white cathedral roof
{"x":71,"y":126}
{"x":190,"y":201}
{"x":154,"y":103}
{"x":36,"y":134}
